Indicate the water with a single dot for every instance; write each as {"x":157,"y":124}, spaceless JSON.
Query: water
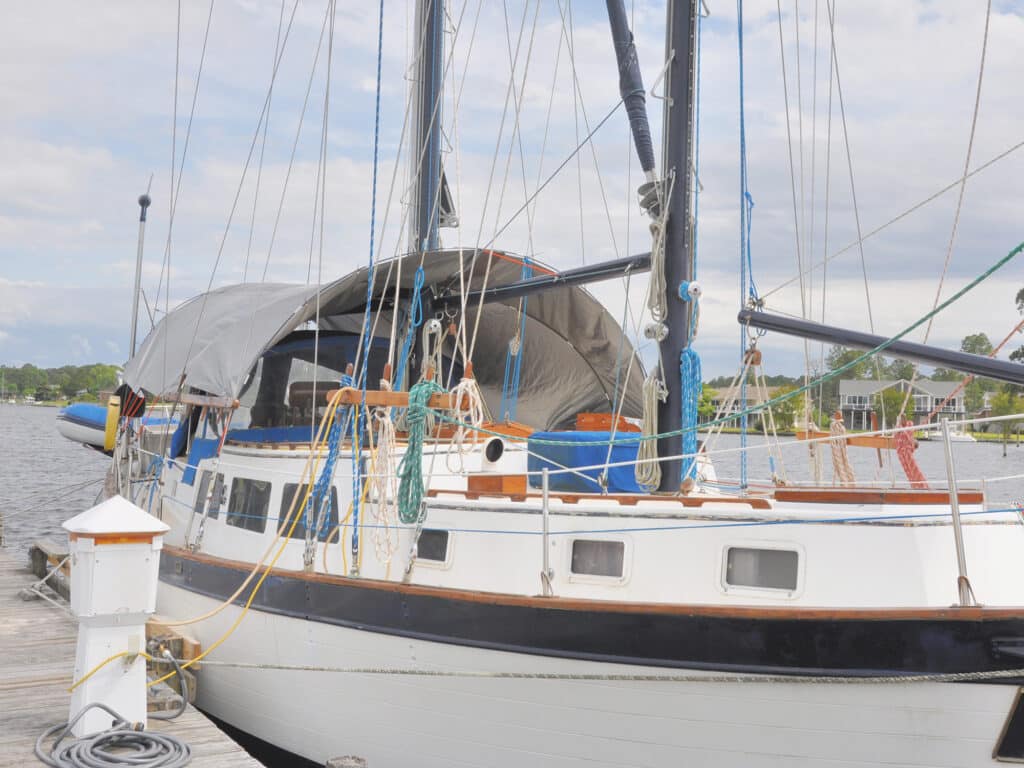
{"x":974,"y":463}
{"x":39,"y":470}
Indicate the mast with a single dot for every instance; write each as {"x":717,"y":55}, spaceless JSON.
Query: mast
{"x":425,"y":154}
{"x":144,"y":202}
{"x":677,"y":143}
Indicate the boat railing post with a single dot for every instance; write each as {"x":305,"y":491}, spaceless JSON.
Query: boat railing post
{"x":546,"y":574}
{"x":963,"y":584}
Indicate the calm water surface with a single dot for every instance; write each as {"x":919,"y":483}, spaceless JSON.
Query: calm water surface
{"x":37,"y":466}
{"x":39,"y":469}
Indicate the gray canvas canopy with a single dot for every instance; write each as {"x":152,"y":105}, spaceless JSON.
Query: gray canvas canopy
{"x":572,"y":347}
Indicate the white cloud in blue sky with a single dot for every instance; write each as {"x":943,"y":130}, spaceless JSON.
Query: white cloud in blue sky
{"x":86,"y":91}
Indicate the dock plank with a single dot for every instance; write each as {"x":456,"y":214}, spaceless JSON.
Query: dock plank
{"x":37,"y":649}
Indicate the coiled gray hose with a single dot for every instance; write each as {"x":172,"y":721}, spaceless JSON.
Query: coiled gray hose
{"x":123,"y":744}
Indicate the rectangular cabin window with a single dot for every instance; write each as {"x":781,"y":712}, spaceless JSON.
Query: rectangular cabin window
{"x":247,"y":507}
{"x":201,"y":491}
{"x":761,"y":568}
{"x":593,"y":557}
{"x":432,"y":545}
{"x":312,"y":509}
{"x":216,"y":497}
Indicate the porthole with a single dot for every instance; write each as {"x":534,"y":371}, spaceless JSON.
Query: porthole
{"x":776,"y":569}
{"x":598,"y":557}
{"x":432,"y":545}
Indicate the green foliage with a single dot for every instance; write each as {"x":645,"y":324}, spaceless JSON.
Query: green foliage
{"x":888,"y":403}
{"x":788,"y":412}
{"x":946,"y":374}
{"x":705,"y":410}
{"x":899,"y":368}
{"x":1006,"y":403}
{"x":721,"y":382}
{"x":53,"y":383}
{"x":839,"y":356}
{"x":976,"y":344}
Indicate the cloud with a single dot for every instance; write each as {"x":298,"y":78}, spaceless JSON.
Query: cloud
{"x":88,"y":119}
{"x":80,"y":346}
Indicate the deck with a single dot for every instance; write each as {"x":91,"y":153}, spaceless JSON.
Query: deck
{"x":37,"y":648}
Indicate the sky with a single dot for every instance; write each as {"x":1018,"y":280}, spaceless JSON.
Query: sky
{"x":88,"y":122}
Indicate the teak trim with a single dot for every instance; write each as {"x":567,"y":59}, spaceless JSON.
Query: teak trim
{"x":625,"y":499}
{"x":952,"y":613}
{"x":872,"y":496}
{"x":386,"y":399}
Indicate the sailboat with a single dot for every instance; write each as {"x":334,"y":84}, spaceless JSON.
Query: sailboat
{"x":376,"y":567}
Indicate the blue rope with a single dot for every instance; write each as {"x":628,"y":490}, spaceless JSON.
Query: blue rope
{"x":690,"y":378}
{"x":510,"y":384}
{"x":746,"y":208}
{"x":415,"y":321}
{"x":322,"y":488}
{"x":363,"y":372}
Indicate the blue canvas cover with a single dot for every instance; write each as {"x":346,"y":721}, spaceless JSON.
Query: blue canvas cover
{"x":621,"y":479}
{"x":202,"y":448}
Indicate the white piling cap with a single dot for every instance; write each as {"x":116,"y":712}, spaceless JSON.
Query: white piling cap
{"x":114,"y":516}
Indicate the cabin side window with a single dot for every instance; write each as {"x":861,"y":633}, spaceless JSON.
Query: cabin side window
{"x":312,"y":509}
{"x":762,"y":568}
{"x":247,"y":507}
{"x":216,"y":498}
{"x":432,"y":545}
{"x":598,"y":557}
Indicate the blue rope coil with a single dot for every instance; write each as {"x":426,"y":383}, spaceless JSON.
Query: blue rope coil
{"x":690,"y":378}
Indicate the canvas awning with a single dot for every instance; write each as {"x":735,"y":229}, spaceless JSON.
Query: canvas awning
{"x":572,"y":347}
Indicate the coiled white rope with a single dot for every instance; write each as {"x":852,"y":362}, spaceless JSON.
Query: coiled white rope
{"x":648,"y":470}
{"x":468,"y":411}
{"x":384,"y":481}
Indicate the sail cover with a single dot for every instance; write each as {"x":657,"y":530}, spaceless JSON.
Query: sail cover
{"x":575,"y":354}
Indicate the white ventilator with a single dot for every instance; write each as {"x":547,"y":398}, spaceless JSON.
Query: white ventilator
{"x":115,"y":562}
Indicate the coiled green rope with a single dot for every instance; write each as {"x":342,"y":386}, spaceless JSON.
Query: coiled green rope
{"x":410,"y":470}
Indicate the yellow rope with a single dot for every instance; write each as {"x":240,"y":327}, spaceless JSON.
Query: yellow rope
{"x":104,"y":663}
{"x":329,"y":420}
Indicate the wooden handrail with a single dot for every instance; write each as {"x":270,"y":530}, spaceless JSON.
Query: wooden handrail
{"x":382,"y":397}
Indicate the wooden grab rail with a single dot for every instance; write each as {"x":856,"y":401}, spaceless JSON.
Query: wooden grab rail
{"x":382,"y":397}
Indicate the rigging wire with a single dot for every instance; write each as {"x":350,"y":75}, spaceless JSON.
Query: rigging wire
{"x":898,"y":217}
{"x":960,"y":197}
{"x":263,"y":149}
{"x":295,"y":145}
{"x":175,"y":189}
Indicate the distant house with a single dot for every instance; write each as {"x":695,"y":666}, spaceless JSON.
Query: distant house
{"x":859,"y":398}
{"x":730,"y":399}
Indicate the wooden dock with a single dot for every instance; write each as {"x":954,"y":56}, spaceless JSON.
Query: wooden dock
{"x":37,"y":649}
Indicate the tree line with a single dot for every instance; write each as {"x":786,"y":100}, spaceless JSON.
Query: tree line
{"x":53,"y":383}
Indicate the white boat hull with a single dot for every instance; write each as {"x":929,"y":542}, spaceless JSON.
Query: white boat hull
{"x":395,"y":721}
